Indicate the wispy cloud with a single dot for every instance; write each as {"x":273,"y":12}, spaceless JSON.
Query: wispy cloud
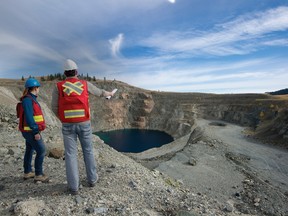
{"x":276,"y":42}
{"x":116,"y":44}
{"x":241,"y":76}
{"x":225,"y":39}
{"x":30,"y":48}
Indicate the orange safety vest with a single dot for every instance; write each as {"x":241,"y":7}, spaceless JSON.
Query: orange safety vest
{"x":73,"y":101}
{"x":37,"y":115}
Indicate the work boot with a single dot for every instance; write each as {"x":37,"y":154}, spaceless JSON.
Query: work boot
{"x":73,"y":192}
{"x":28,"y":175}
{"x":92,"y":184}
{"x":41,"y":178}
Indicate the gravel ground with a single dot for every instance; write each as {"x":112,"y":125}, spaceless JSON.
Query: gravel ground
{"x":219,"y":173}
{"x":125,"y":187}
{"x":227,"y":166}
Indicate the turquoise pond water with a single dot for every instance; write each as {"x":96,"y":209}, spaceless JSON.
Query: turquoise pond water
{"x":134,"y":140}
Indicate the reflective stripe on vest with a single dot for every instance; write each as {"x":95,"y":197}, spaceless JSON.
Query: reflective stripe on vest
{"x":27,"y":128}
{"x":37,"y":119}
{"x":73,"y":87}
{"x":77,"y":113}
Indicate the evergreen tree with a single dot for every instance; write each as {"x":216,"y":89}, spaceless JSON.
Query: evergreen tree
{"x":59,"y":77}
{"x":51,"y":77}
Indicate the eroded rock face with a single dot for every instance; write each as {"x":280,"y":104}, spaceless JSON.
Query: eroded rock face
{"x":277,"y":128}
{"x":141,"y":107}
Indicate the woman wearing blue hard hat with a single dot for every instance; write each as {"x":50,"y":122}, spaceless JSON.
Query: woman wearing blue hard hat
{"x":31,"y":123}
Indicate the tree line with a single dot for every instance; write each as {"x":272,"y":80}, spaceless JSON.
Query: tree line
{"x":279,"y":92}
{"x":60,"y":76}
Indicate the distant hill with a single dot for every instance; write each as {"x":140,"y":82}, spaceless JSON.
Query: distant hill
{"x":279,"y":92}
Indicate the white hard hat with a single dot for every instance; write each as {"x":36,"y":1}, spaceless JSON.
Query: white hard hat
{"x":70,"y":65}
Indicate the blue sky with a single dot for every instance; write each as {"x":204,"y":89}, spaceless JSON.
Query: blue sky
{"x":212,"y":46}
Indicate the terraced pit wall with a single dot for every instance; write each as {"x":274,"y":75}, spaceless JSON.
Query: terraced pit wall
{"x":172,"y":112}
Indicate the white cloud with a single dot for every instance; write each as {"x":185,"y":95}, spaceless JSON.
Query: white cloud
{"x":276,"y":42}
{"x":261,"y":74}
{"x":260,"y":23}
{"x":259,"y":81}
{"x":30,"y":48}
{"x":116,"y":44}
{"x":225,"y":39}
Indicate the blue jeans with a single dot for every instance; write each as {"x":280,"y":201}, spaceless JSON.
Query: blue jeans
{"x":39,"y":147}
{"x":84,"y":133}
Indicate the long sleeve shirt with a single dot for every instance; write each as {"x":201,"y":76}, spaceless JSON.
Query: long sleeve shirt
{"x":27,"y":104}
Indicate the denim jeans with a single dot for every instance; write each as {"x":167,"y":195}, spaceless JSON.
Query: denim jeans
{"x":31,"y":146}
{"x":84,"y":133}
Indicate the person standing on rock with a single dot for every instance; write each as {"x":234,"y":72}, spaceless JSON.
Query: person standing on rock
{"x":70,"y":103}
{"x":31,"y":123}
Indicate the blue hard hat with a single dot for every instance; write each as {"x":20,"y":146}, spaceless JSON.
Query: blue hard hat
{"x":31,"y":82}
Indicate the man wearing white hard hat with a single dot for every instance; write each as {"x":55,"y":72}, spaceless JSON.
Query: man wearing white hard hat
{"x":70,"y":103}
